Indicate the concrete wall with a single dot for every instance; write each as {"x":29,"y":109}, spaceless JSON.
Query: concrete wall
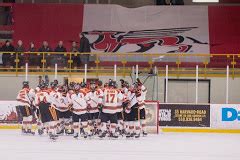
{"x":10,"y":85}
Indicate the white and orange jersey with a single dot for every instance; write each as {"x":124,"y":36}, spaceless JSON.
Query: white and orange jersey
{"x":132,"y":100}
{"x":69,"y":94}
{"x":53,"y":94}
{"x":61,"y":102}
{"x":111,"y":99}
{"x":84,"y":91}
{"x":79,"y":104}
{"x":43,"y":96}
{"x":141,"y":99}
{"x":94,"y":98}
{"x":23,"y":97}
{"x":100,"y":93}
{"x":124,"y":91}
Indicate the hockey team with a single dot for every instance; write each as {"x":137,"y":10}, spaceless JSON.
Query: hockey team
{"x":84,"y":110}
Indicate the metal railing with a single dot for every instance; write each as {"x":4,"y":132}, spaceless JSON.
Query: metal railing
{"x":180,"y":64}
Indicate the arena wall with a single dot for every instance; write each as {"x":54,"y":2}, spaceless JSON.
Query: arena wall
{"x":12,"y":84}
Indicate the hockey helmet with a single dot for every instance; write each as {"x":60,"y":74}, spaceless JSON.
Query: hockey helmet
{"x":83,"y":84}
{"x":100,"y":83}
{"x":92,"y":85}
{"x":112,"y":84}
{"x":25,"y":84}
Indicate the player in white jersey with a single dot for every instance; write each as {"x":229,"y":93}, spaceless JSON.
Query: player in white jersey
{"x":141,"y":102}
{"x":61,"y":104}
{"x":79,"y":109}
{"x":132,"y":111}
{"x":123,"y":104}
{"x":48,"y":113}
{"x":111,"y":98}
{"x":94,"y":98}
{"x":25,"y":99}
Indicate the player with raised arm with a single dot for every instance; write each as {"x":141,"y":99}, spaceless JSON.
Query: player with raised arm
{"x":132,"y":111}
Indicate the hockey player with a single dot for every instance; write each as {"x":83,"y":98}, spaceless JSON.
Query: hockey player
{"x":65,"y":114}
{"x":125,"y":103}
{"x":132,"y":111}
{"x":141,"y":102}
{"x":25,"y":101}
{"x":61,"y":104}
{"x":47,"y":112}
{"x":78,"y":106}
{"x":111,"y":97}
{"x":94,"y":97}
{"x":121,"y":106}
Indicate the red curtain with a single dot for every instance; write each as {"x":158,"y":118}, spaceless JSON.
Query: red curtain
{"x":50,"y":22}
{"x":224,"y":29}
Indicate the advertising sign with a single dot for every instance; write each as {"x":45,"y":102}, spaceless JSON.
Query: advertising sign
{"x":184,"y":115}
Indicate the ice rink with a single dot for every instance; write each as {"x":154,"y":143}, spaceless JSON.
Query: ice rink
{"x":165,"y":146}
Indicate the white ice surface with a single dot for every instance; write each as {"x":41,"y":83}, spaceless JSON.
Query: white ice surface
{"x":167,"y":146}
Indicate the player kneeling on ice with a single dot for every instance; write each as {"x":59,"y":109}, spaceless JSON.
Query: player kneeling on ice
{"x":111,"y":98}
{"x":25,"y":99}
{"x":78,"y":106}
{"x":48,"y":113}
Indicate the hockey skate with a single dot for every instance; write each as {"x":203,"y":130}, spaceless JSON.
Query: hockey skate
{"x":85,"y":135}
{"x":60,"y":132}
{"x":122,"y":132}
{"x":130,"y":135}
{"x":53,"y":137}
{"x":113,"y":135}
{"x":24,"y":131}
{"x":144,"y":134}
{"x":102,"y":135}
{"x":30,"y":132}
{"x":40,"y":131}
{"x":137,"y":135}
{"x":75,"y":135}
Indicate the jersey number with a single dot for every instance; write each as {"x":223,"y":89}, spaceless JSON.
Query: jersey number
{"x":110,"y":97}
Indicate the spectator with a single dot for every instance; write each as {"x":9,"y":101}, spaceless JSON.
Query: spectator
{"x":75,"y":58}
{"x":60,"y":47}
{"x":8,"y":59}
{"x":45,"y":48}
{"x":59,"y":58}
{"x":23,"y":58}
{"x":74,"y":47}
{"x":33,"y":58}
{"x":84,"y":47}
{"x":32,"y":47}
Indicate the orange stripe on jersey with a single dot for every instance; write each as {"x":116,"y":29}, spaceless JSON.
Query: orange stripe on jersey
{"x":84,"y":91}
{"x":112,"y":107}
{"x":79,"y":110}
{"x":94,"y":108}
